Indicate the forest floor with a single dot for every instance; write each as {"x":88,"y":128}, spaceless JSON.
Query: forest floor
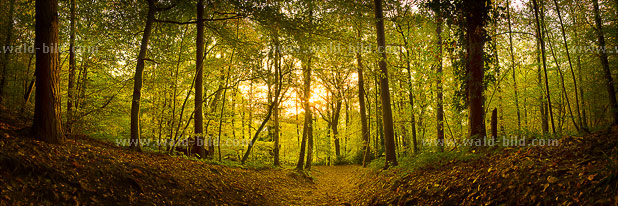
{"x":93,"y":172}
{"x":581,"y":171}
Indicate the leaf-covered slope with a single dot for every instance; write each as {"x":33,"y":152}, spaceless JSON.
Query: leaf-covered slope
{"x":580,"y":171}
{"x":90,"y":172}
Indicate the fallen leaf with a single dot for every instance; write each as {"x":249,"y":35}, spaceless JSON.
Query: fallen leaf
{"x":552,"y":179}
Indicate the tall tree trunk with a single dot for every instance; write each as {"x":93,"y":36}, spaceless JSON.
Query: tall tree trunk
{"x":542,"y":102}
{"x":71,"y":89}
{"x":566,"y":46}
{"x":566,"y":98}
{"x":387,"y":113}
{"x":227,"y":77}
{"x":335,"y":126}
{"x":308,"y":124}
{"x":581,"y":92}
{"x":411,"y":98}
{"x":508,"y":13}
{"x":47,"y":122}
{"x":361,"y":102}
{"x":609,"y":82}
{"x":276,"y":109}
{"x":276,"y":146}
{"x":410,"y":87}
{"x":198,"y":118}
{"x":439,"y":93}
{"x":309,"y":116}
{"x":541,"y":38}
{"x":475,"y":14}
{"x":5,"y":57}
{"x":137,"y":80}
{"x":494,"y":124}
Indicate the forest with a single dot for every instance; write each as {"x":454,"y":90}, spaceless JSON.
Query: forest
{"x":303,"y":102}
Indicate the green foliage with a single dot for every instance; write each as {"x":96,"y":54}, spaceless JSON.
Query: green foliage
{"x":427,"y":159}
{"x":342,"y":161}
{"x":357,"y":158}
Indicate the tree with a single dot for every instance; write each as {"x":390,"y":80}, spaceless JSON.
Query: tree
{"x":406,"y":45}
{"x":361,"y":102}
{"x":541,"y":37}
{"x":137,"y":80}
{"x":508,"y":16}
{"x":475,"y":13}
{"x":439,"y":95}
{"x":308,"y":123}
{"x":609,"y":82}
{"x":566,"y":47}
{"x":71,"y":89}
{"x":47,"y":122}
{"x":199,"y":85}
{"x":5,"y":57}
{"x":387,"y":113}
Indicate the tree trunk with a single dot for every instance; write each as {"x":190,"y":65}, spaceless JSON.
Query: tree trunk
{"x":542,"y":103}
{"x":308,"y":115}
{"x":71,"y":89}
{"x":494,"y":124}
{"x":276,"y":109}
{"x":541,"y":37}
{"x":387,"y":113}
{"x":276,"y":146}
{"x":363,"y":112}
{"x":5,"y":56}
{"x":566,"y":98}
{"x":198,"y":118}
{"x":581,"y":92}
{"x":137,"y":80}
{"x":439,"y":94}
{"x":335,"y":127}
{"x":566,"y":46}
{"x":508,"y":13}
{"x":227,"y":77}
{"x":609,"y":83}
{"x":475,"y":14}
{"x":47,"y":122}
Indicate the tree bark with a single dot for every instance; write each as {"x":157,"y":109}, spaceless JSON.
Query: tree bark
{"x":198,"y":118}
{"x":475,"y":14}
{"x":609,"y":82}
{"x":566,"y":46}
{"x":308,"y":125}
{"x":137,"y":80}
{"x":541,"y":36}
{"x":71,"y":89}
{"x":494,"y":124}
{"x":335,"y":126}
{"x":439,"y":93}
{"x":387,"y":113}
{"x":5,"y":56}
{"x":566,"y":98}
{"x":363,"y":111}
{"x":47,"y":122}
{"x":508,"y":13}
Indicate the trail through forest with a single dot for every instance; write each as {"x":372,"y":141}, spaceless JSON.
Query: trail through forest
{"x":332,"y":185}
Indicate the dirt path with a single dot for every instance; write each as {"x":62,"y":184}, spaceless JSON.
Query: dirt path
{"x":332,"y":185}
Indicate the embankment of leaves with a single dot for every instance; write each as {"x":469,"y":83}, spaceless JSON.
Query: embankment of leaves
{"x":579,"y":171}
{"x":85,"y":171}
